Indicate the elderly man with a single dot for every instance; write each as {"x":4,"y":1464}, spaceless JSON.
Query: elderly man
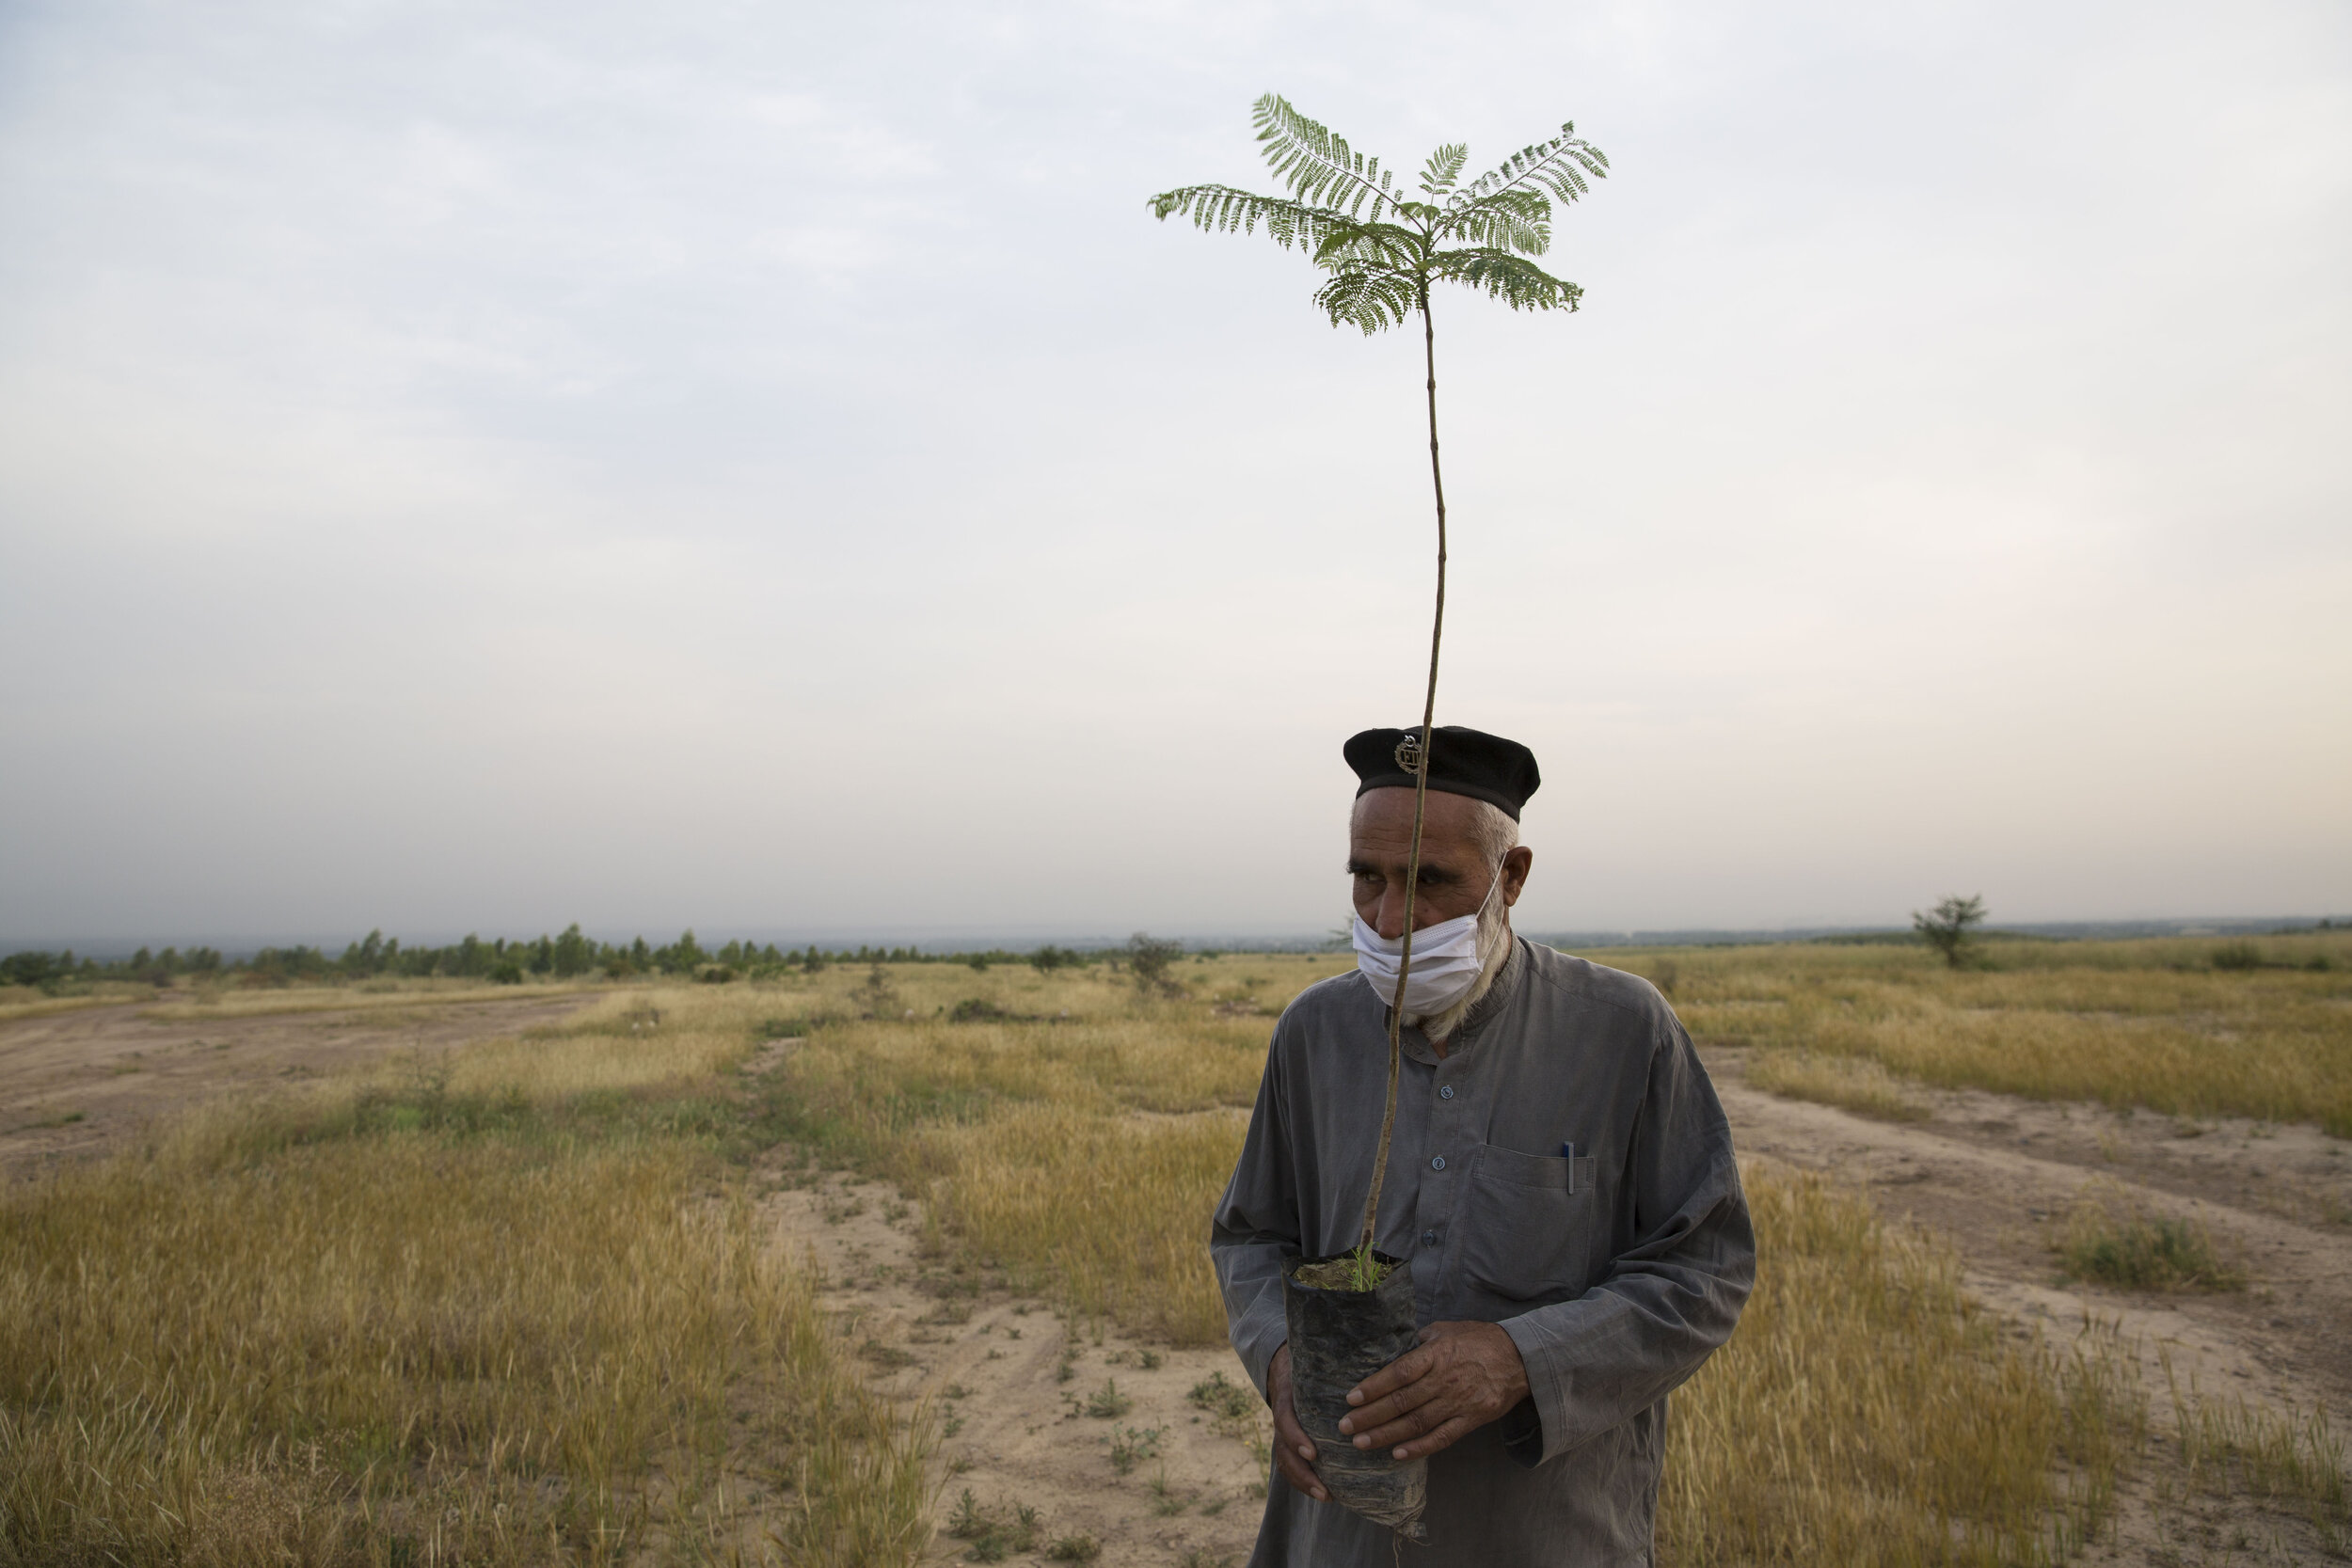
{"x":1561,"y":1179}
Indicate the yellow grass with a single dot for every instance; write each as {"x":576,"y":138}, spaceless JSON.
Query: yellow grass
{"x":307,"y":1333}
{"x":21,"y":1002}
{"x":1083,"y":1152}
{"x":503,"y":1305}
{"x":1866,"y":1412}
{"x":1856,"y":1082}
{"x":2146,"y":1024}
{"x":209,"y":1002}
{"x":2288,"y":1456}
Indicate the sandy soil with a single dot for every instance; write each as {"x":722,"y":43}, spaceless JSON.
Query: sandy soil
{"x":991,"y":1363}
{"x":74,"y":1084}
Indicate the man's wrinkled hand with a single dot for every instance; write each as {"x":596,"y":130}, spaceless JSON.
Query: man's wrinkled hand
{"x":1460,"y":1377}
{"x":1293,"y":1451}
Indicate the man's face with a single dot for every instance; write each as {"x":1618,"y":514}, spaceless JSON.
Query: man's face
{"x":1454,"y":875}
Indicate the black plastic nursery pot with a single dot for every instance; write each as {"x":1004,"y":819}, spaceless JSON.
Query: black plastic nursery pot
{"x":1337,"y":1339}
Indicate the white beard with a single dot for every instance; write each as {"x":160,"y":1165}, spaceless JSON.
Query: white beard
{"x":1494,"y":946}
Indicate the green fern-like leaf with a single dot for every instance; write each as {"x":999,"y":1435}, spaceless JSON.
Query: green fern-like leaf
{"x":1318,"y":166}
{"x":1513,"y":279}
{"x":1381,"y":249}
{"x":1443,"y":168}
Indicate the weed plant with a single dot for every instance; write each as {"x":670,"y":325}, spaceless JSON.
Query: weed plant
{"x":2290,"y":1457}
{"x":995,"y":1533}
{"x":1131,"y":1446}
{"x":2111,"y":1241}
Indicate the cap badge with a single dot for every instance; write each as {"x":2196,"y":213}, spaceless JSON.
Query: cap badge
{"x":1408,"y":753}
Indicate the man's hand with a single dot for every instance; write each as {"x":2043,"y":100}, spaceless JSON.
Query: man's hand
{"x":1294,"y":1453}
{"x":1462,"y":1376}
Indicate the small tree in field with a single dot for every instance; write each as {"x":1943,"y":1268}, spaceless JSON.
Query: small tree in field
{"x":1150,"y":958}
{"x":1381,"y":249}
{"x":1946,"y":928}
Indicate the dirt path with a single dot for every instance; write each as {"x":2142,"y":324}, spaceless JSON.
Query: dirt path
{"x":72,"y":1084}
{"x":991,"y":1363}
{"x":1998,"y":1177}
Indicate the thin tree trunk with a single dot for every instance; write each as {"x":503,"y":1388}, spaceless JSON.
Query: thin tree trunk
{"x":1421,"y":794}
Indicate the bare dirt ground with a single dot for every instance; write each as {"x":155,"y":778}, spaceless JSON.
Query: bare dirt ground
{"x":74,"y":1084}
{"x":1010,"y":1383}
{"x":1020,"y":1395}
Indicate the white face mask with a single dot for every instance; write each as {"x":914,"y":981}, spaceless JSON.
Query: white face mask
{"x":1445,"y":960}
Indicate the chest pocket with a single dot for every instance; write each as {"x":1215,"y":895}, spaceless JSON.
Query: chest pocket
{"x":1527,"y":1224}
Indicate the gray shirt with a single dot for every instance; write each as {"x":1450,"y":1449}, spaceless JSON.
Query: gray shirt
{"x":1565,"y":1171}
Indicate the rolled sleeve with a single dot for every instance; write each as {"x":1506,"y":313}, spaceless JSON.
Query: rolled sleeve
{"x":1670,"y":1298}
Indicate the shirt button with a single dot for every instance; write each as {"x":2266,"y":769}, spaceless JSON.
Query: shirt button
{"x":1429,"y":1238}
{"x":1446,"y":1093}
{"x":1438,"y":1164}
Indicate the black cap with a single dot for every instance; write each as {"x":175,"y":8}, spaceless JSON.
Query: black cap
{"x":1466,"y":762}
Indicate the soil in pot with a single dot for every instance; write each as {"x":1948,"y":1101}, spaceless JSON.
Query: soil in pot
{"x":1338,"y":1338}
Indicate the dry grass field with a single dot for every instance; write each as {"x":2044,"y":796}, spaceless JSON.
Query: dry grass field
{"x":2176,"y":1026}
{"x":513,"y":1302}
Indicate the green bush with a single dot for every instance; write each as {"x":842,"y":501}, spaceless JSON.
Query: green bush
{"x":2136,"y":1252}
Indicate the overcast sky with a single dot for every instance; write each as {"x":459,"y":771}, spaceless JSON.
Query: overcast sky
{"x":475,"y":465}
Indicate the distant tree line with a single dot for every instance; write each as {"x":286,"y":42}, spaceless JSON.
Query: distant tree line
{"x":500,"y":960}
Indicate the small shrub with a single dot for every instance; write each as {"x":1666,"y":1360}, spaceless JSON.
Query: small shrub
{"x":1150,"y":957}
{"x":1107,"y":1403}
{"x":1074,"y":1548}
{"x":1220,"y":1396}
{"x":2140,"y":1252}
{"x":2237,"y":956}
{"x":1946,"y":928}
{"x":995,"y":1533}
{"x":980,"y":1010}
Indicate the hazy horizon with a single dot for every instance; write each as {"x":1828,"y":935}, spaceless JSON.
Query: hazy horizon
{"x":486,"y":469}
{"x":942,"y":940}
